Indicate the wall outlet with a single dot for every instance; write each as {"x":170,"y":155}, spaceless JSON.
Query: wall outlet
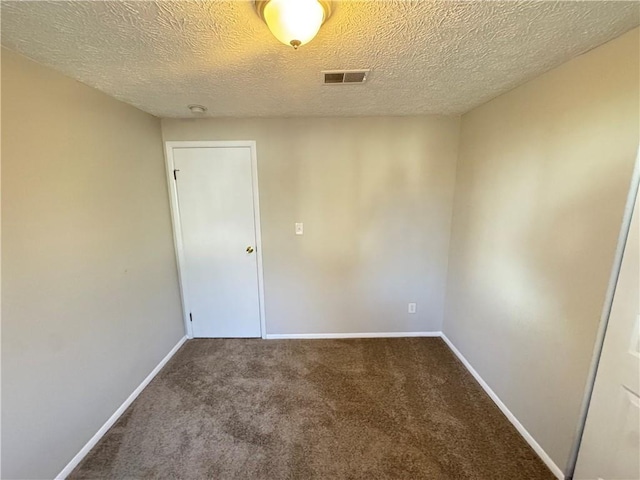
{"x":412,"y":307}
{"x":299,"y":228}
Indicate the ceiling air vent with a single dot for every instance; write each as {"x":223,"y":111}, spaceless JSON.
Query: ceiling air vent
{"x":344,"y":77}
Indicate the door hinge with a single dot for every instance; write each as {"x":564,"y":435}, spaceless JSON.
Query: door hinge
{"x":190,"y":317}
{"x":175,"y":176}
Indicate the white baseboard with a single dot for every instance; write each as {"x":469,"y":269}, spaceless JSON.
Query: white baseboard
{"x":114,"y":418}
{"x":278,"y":336}
{"x":544,"y":456}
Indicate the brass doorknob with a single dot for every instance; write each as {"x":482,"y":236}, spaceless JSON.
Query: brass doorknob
{"x":249,"y":249}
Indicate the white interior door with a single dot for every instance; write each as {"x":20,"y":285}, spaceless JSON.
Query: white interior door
{"x":219,"y":266}
{"x":610,"y":447}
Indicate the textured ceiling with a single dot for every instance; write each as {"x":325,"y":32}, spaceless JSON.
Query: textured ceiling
{"x":426,"y":56}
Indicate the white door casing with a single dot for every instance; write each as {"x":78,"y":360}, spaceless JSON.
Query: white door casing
{"x":610,"y":448}
{"x":213,"y":189}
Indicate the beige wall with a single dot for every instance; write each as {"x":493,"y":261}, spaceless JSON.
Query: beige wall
{"x":90,"y":300}
{"x":542,"y":179}
{"x":375,"y":196}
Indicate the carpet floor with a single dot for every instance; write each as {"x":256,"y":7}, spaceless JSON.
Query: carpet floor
{"x":402,"y":408}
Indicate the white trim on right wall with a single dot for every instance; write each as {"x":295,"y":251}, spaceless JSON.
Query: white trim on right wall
{"x":544,"y":456}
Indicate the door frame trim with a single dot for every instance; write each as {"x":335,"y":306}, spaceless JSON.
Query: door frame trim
{"x":627,"y":216}
{"x":177,"y":232}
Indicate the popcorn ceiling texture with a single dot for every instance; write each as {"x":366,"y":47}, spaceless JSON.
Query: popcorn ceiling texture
{"x":427,"y":57}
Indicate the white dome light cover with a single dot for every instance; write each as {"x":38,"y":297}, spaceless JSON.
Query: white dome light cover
{"x":294,"y":22}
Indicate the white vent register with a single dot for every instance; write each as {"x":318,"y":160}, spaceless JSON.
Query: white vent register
{"x":344,"y":77}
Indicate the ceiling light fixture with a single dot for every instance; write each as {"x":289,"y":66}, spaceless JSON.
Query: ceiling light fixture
{"x":294,"y":22}
{"x":197,"y":108}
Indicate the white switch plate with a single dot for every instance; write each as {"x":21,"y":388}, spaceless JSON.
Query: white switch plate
{"x":412,"y":308}
{"x":299,"y":228}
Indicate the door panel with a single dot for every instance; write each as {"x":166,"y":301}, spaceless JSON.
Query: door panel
{"x":216,"y":210}
{"x":611,"y":443}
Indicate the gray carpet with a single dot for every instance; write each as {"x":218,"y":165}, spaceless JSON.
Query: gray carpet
{"x":313,"y":409}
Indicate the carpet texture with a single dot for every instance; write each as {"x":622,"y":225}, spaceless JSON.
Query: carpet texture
{"x":313,"y":409}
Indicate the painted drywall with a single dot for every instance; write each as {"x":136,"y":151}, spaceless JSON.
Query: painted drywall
{"x":542,"y":178}
{"x":90,"y":300}
{"x":375,"y":196}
